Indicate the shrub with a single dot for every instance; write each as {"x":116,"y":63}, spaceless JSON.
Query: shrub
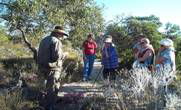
{"x":15,"y":101}
{"x":126,"y":58}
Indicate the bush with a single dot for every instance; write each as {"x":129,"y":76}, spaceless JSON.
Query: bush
{"x":15,"y":101}
{"x":126,"y":58}
{"x":178,"y":60}
{"x":72,"y":66}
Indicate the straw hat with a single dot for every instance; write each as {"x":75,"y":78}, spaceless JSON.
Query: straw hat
{"x":59,"y":30}
{"x":108,"y":40}
{"x":166,"y":42}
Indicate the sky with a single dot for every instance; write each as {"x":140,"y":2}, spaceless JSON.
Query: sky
{"x":166,"y":10}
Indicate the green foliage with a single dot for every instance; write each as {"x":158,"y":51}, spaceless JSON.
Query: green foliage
{"x":142,"y":25}
{"x":10,"y":50}
{"x":125,"y":30}
{"x":172,"y":30}
{"x":72,"y":64}
{"x":178,"y":60}
{"x":4,"y":38}
{"x":127,"y":59}
{"x":177,"y":43}
{"x":36,"y":18}
{"x":15,"y":101}
{"x":90,"y":20}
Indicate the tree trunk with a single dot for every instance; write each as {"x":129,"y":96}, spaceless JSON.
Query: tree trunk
{"x":33,"y":49}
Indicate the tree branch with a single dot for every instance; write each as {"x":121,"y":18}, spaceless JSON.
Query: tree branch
{"x":33,"y":49}
{"x":5,"y":4}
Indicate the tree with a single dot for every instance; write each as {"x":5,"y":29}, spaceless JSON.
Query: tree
{"x":33,"y":18}
{"x":83,"y":19}
{"x":25,"y":16}
{"x":4,"y":38}
{"x":127,"y":28}
{"x":172,"y":30}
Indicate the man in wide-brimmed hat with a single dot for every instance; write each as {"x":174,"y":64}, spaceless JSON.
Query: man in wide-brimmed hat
{"x":50,"y":56}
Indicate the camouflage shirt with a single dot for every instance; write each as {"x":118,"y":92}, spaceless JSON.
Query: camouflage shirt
{"x":50,"y":54}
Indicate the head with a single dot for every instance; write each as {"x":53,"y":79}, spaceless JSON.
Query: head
{"x":108,"y":40}
{"x":101,"y":34}
{"x":90,"y":37}
{"x":109,"y":36}
{"x":139,"y":37}
{"x":144,"y":42}
{"x":59,"y":32}
{"x":166,"y":43}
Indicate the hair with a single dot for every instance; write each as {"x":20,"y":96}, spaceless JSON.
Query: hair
{"x":140,"y":36}
{"x":146,"y":40}
{"x":90,"y":35}
{"x":59,"y":27}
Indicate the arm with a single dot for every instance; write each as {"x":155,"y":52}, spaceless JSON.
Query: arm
{"x":56,"y":53}
{"x":136,"y":54}
{"x":159,"y":60}
{"x":95,"y":44}
{"x":146,"y":55}
{"x":165,"y":58}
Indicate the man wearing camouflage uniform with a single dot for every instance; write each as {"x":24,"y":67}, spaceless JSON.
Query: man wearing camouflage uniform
{"x":50,"y":56}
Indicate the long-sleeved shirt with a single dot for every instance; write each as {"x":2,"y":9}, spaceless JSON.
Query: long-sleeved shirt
{"x":50,"y":53}
{"x":169,"y":58}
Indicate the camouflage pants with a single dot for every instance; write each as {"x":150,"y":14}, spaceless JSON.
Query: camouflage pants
{"x":53,"y":81}
{"x":52,"y":86}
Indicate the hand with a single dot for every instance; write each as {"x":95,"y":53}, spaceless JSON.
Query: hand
{"x":65,"y":54}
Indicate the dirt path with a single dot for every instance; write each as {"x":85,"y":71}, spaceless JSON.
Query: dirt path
{"x":85,"y":88}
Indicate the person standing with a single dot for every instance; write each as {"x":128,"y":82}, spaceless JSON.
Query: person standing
{"x":145,"y":56}
{"x":165,"y":64}
{"x":109,"y":59}
{"x":89,"y":51}
{"x":50,"y":56}
{"x":166,"y":55}
{"x":100,"y":41}
{"x":137,"y":44}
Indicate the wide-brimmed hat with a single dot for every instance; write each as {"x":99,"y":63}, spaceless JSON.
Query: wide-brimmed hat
{"x":108,"y":40}
{"x":166,"y":42}
{"x":59,"y":30}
